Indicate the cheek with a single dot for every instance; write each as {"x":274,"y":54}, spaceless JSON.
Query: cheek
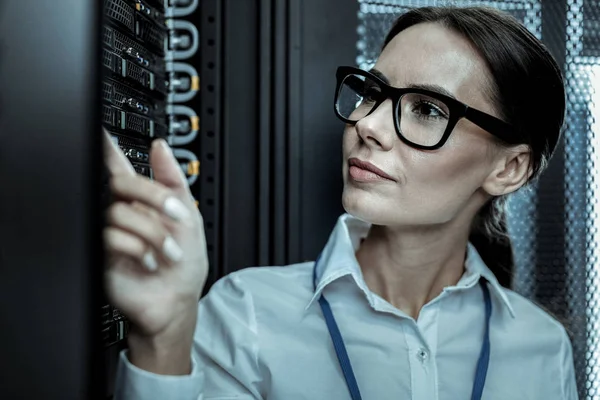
{"x":462,"y":158}
{"x":441,"y":183}
{"x":349,"y":139}
{"x":436,"y":185}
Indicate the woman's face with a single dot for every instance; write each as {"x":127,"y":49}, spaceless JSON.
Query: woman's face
{"x":428,"y":187}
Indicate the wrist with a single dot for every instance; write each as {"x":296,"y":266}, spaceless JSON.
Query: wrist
{"x":167,"y":352}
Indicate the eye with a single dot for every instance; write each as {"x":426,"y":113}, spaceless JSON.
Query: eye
{"x":428,"y":109}
{"x":425,"y":107}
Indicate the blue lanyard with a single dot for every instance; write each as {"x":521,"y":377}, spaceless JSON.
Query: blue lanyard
{"x":342,"y":354}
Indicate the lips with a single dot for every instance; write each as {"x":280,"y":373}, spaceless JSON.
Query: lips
{"x":365,"y":171}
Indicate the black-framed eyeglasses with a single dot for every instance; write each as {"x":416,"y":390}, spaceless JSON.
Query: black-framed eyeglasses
{"x":423,"y":118}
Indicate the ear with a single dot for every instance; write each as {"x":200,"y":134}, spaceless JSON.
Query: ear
{"x":510,"y":171}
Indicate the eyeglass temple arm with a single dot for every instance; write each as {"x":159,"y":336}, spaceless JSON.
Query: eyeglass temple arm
{"x":493,"y":125}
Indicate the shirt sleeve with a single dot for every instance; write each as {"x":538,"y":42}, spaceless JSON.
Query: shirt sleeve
{"x":133,"y":383}
{"x":568,"y":369}
{"x":224,"y":356}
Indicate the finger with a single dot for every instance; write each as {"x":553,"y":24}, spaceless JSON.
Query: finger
{"x":144,"y":209}
{"x":151,"y":231}
{"x":166,"y":168}
{"x":123,"y":244}
{"x":116,"y":161}
{"x":167,"y":222}
{"x":150,"y":193}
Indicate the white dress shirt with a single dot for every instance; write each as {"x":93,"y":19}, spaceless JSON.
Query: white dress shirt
{"x":261,"y":335}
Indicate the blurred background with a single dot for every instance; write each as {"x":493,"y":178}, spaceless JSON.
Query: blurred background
{"x":243,"y":91}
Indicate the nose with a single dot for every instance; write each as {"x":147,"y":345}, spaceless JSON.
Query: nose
{"x":377,"y":129}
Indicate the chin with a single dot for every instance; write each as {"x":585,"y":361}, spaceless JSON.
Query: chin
{"x":389,"y":210}
{"x":366,"y":206}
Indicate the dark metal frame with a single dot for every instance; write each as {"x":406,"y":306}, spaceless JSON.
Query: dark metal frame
{"x":550,"y":252}
{"x":276,"y":166}
{"x":207,"y":146}
{"x":51,"y":216}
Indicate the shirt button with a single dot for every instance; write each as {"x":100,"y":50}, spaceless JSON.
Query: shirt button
{"x":422,"y":354}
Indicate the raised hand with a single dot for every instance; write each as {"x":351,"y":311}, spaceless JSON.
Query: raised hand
{"x":156,"y":252}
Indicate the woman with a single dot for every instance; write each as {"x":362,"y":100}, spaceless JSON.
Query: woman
{"x":398,"y":305}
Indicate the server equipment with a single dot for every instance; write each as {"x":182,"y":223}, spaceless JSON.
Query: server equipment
{"x":145,"y":77}
{"x":149,"y":88}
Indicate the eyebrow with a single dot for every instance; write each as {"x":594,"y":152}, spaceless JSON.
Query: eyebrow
{"x":432,"y":88}
{"x":380,"y":75}
{"x":425,"y":86}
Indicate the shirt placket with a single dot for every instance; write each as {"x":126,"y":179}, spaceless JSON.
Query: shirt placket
{"x":421,"y":340}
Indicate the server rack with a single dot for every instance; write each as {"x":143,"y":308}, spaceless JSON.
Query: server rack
{"x":150,"y":54}
{"x":145,"y":80}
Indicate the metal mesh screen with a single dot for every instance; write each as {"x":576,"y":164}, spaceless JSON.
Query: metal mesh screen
{"x":555,"y":224}
{"x":582,"y":166}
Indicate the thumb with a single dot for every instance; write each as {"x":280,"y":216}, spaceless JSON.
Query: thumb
{"x":165,"y":167}
{"x":115,"y":160}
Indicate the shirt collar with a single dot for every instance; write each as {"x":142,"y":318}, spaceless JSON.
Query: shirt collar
{"x":475,"y":268}
{"x":338,"y":259}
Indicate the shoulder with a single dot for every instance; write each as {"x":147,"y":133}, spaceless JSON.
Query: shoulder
{"x":264,"y":286}
{"x":531,"y":317}
{"x":270,"y":279}
{"x":543,"y":344}
{"x":242,"y":308}
{"x":260,"y":277}
{"x":528,"y":311}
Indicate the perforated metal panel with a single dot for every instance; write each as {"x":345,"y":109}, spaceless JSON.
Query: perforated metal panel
{"x":554,"y":224}
{"x":582,"y":169}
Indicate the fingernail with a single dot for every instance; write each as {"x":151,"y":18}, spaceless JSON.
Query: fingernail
{"x":150,"y":262}
{"x":172,"y":250}
{"x":175,"y":209}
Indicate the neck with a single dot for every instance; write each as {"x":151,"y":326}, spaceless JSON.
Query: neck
{"x":408,"y":268}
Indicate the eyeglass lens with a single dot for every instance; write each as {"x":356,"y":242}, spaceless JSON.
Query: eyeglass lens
{"x":423,"y":119}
